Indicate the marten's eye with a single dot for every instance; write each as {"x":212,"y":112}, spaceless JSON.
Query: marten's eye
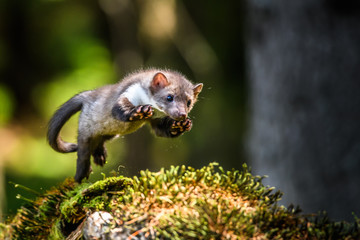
{"x":188,"y":103}
{"x":170,"y":98}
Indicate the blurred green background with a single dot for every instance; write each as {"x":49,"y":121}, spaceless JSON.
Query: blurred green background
{"x":53,"y":49}
{"x":281,"y":90}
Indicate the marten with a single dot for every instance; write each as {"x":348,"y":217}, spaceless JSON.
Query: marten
{"x":162,"y":98}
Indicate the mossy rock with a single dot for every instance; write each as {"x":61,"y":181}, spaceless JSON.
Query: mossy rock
{"x":177,"y":203}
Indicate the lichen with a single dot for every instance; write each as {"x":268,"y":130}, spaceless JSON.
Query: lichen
{"x":176,"y":203}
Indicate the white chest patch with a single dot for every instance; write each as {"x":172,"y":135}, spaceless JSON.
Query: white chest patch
{"x":137,"y":95}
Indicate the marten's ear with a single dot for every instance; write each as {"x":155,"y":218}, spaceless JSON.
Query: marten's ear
{"x":197,"y":89}
{"x":159,"y":81}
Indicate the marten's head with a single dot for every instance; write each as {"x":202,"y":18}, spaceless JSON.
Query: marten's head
{"x":174,"y":94}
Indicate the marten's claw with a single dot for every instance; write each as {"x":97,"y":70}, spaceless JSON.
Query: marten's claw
{"x":141,"y":112}
{"x":179,"y":127}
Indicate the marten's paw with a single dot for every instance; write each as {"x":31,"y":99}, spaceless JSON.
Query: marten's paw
{"x":179,"y":127}
{"x":141,"y":112}
{"x":100,"y":156}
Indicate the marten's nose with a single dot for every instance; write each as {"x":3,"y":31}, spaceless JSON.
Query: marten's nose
{"x":183,"y":116}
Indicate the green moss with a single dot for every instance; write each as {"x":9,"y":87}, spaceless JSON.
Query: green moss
{"x":4,"y":230}
{"x":86,"y":197}
{"x":176,"y":203}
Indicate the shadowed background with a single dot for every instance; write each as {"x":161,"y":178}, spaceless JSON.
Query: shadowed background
{"x":281,"y":89}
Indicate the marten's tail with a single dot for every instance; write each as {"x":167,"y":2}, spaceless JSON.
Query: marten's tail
{"x":60,"y":117}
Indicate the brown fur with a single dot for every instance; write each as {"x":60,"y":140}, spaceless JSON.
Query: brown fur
{"x":162,"y":98}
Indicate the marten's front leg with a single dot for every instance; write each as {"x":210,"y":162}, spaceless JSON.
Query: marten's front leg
{"x":167,"y":127}
{"x":125,"y":111}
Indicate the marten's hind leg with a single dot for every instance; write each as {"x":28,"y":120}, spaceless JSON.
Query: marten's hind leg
{"x":99,"y":151}
{"x":83,"y":167}
{"x":100,"y":155}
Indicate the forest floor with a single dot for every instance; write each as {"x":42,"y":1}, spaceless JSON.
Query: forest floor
{"x":176,"y":203}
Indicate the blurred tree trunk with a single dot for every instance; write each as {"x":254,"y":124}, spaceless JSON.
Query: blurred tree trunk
{"x":304,"y":61}
{"x":123,"y":23}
